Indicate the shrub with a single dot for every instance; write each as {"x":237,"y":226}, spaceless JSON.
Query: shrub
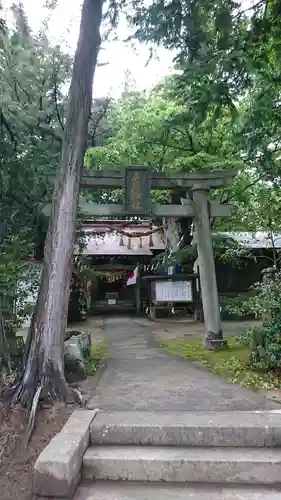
{"x":265,"y":342}
{"x":239,"y":306}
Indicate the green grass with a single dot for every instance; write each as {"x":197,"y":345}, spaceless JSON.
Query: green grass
{"x":99,"y":354}
{"x":231,"y":363}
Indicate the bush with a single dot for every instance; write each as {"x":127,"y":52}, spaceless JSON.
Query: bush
{"x":265,"y":342}
{"x":239,"y":306}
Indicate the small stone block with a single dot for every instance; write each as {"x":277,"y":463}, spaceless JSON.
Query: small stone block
{"x":57,"y":470}
{"x":214,"y":344}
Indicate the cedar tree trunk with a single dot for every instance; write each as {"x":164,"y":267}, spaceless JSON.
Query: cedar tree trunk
{"x":44,"y":364}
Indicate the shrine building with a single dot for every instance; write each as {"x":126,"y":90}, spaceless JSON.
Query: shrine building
{"x":113,"y":255}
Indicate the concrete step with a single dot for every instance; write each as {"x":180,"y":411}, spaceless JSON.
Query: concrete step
{"x":234,"y":429}
{"x":183,"y":465}
{"x":115,"y":490}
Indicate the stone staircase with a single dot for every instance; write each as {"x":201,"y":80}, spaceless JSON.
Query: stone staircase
{"x":183,"y":456}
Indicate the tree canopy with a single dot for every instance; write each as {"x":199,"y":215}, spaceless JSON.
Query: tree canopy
{"x":228,"y":56}
{"x":32,"y":77}
{"x":220,"y":109}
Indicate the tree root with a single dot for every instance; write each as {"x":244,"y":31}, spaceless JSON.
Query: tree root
{"x":31,"y":396}
{"x":41,"y":379}
{"x":32,"y":416}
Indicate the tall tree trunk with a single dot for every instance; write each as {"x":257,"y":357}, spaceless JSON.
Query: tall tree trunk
{"x":44,"y":366}
{"x":185,"y":222}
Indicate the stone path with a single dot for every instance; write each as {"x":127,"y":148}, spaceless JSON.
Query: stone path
{"x":141,"y":375}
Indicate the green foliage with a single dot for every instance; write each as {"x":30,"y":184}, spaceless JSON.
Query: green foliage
{"x":13,"y":269}
{"x":239,"y":306}
{"x":228,"y":58}
{"x":154,"y":129}
{"x":99,"y":354}
{"x":158,"y":129}
{"x":265,"y":341}
{"x":32,"y":79}
{"x":266,"y":347}
{"x":226,"y":250}
{"x":232,"y":363}
{"x":26,"y":286}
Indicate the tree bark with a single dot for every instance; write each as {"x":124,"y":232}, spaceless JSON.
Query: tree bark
{"x":185,"y":222}
{"x":44,"y":364}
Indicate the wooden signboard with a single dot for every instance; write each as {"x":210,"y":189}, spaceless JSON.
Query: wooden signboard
{"x":137,"y":191}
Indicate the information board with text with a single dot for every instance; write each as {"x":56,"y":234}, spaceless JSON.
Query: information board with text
{"x":173,"y":291}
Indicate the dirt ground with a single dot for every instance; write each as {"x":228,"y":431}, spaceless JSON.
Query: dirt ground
{"x":16,"y":462}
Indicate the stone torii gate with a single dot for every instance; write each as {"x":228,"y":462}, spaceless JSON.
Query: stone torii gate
{"x":137,"y":182}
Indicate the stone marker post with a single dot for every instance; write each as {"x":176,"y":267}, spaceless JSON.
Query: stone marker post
{"x":210,"y":300}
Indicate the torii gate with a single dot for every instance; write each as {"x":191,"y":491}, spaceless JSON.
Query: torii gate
{"x":137,"y":182}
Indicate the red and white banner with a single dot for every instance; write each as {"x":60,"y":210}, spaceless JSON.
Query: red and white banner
{"x":133,"y":277}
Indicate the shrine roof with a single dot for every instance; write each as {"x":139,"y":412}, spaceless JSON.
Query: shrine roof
{"x":253,"y":240}
{"x":103,"y":238}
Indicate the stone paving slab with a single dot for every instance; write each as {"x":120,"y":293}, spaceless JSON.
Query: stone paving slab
{"x":224,"y":429}
{"x":116,"y":490}
{"x":183,"y":464}
{"x":141,"y":375}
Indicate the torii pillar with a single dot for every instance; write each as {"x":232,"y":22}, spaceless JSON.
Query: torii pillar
{"x":210,"y":300}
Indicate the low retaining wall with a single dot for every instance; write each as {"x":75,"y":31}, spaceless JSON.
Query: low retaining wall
{"x":58,"y":468}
